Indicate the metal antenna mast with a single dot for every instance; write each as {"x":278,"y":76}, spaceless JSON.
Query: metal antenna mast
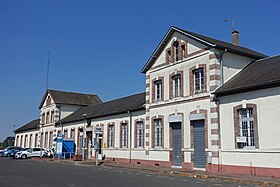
{"x":232,"y":22}
{"x":48,"y":66}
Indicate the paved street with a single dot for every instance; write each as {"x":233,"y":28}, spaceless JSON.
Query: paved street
{"x":40,"y":173}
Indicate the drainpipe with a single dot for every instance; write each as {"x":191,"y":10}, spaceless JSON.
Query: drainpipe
{"x":222,"y":66}
{"x":130,"y":134}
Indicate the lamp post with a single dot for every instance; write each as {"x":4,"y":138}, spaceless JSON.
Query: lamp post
{"x":84,"y":142}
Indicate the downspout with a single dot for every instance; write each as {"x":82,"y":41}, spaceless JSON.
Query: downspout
{"x":130,"y":134}
{"x":217,"y":101}
{"x":222,"y":66}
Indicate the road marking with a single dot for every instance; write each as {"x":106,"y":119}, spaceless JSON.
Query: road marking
{"x":217,"y":184}
{"x":160,"y":177}
{"x":185,"y":180}
{"x":199,"y":182}
{"x":138,"y":174}
{"x":148,"y":175}
{"x":171,"y":178}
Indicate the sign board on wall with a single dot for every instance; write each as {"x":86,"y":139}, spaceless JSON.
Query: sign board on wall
{"x":98,"y":130}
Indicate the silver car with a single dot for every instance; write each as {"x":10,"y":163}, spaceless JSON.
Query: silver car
{"x":32,"y":152}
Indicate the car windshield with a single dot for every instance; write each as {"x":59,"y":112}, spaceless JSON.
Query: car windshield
{"x":25,"y":149}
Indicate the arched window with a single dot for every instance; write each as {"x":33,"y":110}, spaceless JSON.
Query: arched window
{"x":176,"y":50}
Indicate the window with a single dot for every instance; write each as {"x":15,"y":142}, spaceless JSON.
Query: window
{"x":48,"y":101}
{"x":46,"y":140}
{"x":41,"y":140}
{"x":111,"y":135}
{"x":158,"y":132}
{"x":176,"y":51}
{"x":176,"y":85}
{"x":51,"y":139}
{"x":65,"y":133}
{"x":168,"y":56}
{"x":30,"y":140}
{"x":17,"y":144}
{"x":25,"y":141}
{"x":140,"y":133}
{"x":183,"y":48}
{"x":158,"y":90}
{"x":198,"y":80}
{"x":43,"y":118}
{"x":72,"y":134}
{"x":52,"y":116}
{"x":47,"y":118}
{"x":246,"y":122}
{"x":124,"y":135}
{"x":36,"y":140}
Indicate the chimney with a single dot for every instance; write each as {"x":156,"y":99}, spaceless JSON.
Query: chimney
{"x":235,"y":37}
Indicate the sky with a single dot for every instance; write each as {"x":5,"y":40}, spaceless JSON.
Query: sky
{"x":100,"y":47}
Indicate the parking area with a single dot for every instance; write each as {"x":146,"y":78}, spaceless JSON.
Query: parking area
{"x":30,"y":172}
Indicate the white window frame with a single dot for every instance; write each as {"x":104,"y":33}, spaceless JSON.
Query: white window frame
{"x":158,"y":133}
{"x":124,"y":141}
{"x":140,"y":134}
{"x":199,"y":79}
{"x":158,"y":90}
{"x":176,"y":81}
{"x":246,"y":127}
{"x":111,"y":136}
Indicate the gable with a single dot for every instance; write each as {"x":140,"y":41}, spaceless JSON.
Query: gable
{"x":188,"y":48}
{"x":200,"y":39}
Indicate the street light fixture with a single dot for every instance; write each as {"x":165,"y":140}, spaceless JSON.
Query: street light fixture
{"x":84,"y":141}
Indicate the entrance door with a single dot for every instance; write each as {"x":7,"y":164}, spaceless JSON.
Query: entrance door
{"x":199,"y":144}
{"x":177,"y":144}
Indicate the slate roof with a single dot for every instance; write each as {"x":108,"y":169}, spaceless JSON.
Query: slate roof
{"x":204,"y":39}
{"x":264,"y":73}
{"x":118,"y":106}
{"x":29,"y":126}
{"x":71,"y":98}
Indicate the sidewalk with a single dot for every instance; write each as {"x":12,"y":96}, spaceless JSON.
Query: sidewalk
{"x":244,"y":179}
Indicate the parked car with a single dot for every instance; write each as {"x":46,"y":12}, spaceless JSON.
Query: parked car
{"x":10,"y":151}
{"x":32,"y":152}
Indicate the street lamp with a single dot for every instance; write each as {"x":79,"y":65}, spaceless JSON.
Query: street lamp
{"x":84,"y":141}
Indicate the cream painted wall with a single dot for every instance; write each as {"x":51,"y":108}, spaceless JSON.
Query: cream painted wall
{"x":184,"y":66}
{"x":115,"y":152}
{"x":233,"y":63}
{"x":268,"y":110}
{"x":184,"y":108}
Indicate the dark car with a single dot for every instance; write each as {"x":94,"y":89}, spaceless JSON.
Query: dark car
{"x":11,"y":151}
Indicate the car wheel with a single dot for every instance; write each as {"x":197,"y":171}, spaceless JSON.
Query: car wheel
{"x":8,"y":155}
{"x":23,"y":156}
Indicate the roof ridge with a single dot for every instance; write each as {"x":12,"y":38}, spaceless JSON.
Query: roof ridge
{"x":115,"y":99}
{"x":71,"y":92}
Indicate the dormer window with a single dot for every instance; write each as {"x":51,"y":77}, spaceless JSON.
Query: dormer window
{"x":176,"y":51}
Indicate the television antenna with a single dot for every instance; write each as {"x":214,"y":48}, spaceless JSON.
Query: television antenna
{"x":232,"y":20}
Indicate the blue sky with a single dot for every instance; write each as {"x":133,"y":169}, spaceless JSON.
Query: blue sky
{"x":100,"y":46}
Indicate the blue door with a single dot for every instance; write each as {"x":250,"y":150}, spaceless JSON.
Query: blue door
{"x":177,"y":144}
{"x":199,"y":144}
